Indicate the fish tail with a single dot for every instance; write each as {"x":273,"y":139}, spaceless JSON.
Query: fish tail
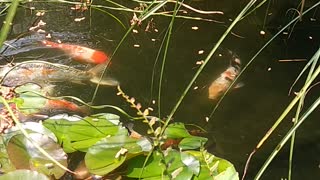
{"x":96,"y":73}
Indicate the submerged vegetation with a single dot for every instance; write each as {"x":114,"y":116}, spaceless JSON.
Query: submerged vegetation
{"x":46,"y":134}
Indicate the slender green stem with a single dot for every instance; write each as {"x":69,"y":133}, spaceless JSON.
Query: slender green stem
{"x":286,"y":137}
{"x":168,"y":37}
{"x":8,"y":21}
{"x":314,"y":59}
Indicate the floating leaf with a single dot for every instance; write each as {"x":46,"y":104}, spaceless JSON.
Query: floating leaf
{"x":24,"y":175}
{"x":213,"y":167}
{"x":6,"y":165}
{"x":24,"y":155}
{"x":82,"y":134}
{"x":110,"y":152}
{"x":155,"y":168}
{"x":192,"y":142}
{"x":176,"y":130}
{"x":30,"y":126}
{"x":191,"y":162}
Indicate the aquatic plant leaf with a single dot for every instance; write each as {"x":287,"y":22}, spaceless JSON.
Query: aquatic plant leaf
{"x":29,"y":102}
{"x":82,"y":134}
{"x":24,"y":155}
{"x":110,"y":152}
{"x":191,"y":162}
{"x":192,"y":142}
{"x":214,"y":167}
{"x":24,"y":175}
{"x":6,"y":165}
{"x":155,"y":168}
{"x":176,"y":130}
{"x":30,"y":127}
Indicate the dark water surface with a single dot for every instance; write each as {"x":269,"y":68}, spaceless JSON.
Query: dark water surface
{"x":242,"y":118}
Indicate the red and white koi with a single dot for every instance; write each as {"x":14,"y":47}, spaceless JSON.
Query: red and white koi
{"x":224,"y":81}
{"x":79,"y":53}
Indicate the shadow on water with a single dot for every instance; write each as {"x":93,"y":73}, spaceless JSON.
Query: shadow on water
{"x":245,"y":114}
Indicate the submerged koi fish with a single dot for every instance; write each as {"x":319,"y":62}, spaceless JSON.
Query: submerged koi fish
{"x":58,"y":106}
{"x":44,"y":73}
{"x":79,"y":53}
{"x":223,"y":82}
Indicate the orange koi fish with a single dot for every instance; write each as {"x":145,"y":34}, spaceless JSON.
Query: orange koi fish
{"x":57,"y":106}
{"x":44,"y":73}
{"x":79,"y":53}
{"x":223,"y":82}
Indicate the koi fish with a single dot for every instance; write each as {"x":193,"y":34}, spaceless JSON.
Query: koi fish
{"x":35,"y":107}
{"x":58,"y":106}
{"x":223,"y":82}
{"x":79,"y":53}
{"x":44,"y":73}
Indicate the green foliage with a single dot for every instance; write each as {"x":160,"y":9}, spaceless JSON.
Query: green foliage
{"x":24,"y":175}
{"x":82,"y":134}
{"x":182,"y":165}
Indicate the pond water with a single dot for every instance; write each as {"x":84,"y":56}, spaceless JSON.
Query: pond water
{"x":246,"y":113}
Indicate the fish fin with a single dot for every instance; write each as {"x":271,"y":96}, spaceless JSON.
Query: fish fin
{"x":239,"y":85}
{"x":97,"y":71}
{"x":106,"y":81}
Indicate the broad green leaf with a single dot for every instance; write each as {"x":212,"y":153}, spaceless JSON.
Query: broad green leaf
{"x":6,"y":165}
{"x":192,"y":142}
{"x":23,"y":175}
{"x":155,"y":168}
{"x":109,"y":153}
{"x":176,"y":130}
{"x":191,"y":163}
{"x":29,"y":102}
{"x":82,"y":134}
{"x":24,"y":155}
{"x":30,"y":127}
{"x":213,"y":167}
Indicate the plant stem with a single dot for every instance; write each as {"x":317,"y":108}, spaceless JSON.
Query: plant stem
{"x":8,"y":21}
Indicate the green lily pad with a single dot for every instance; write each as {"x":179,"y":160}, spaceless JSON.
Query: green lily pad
{"x":110,"y":152}
{"x":156,"y":169}
{"x":176,"y":130}
{"x":213,"y":167}
{"x":24,"y":155}
{"x":192,"y":142}
{"x":82,"y":134}
{"x":24,"y":175}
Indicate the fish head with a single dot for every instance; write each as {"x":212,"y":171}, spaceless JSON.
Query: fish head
{"x":231,"y":73}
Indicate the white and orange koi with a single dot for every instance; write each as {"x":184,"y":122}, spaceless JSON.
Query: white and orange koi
{"x":224,"y":81}
{"x":79,"y":53}
{"x":44,"y":73}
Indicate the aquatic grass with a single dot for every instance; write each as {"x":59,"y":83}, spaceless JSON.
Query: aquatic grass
{"x":289,"y":134}
{"x":26,"y":134}
{"x":8,"y":21}
{"x":289,"y":107}
{"x":166,"y":47}
{"x":314,"y":59}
